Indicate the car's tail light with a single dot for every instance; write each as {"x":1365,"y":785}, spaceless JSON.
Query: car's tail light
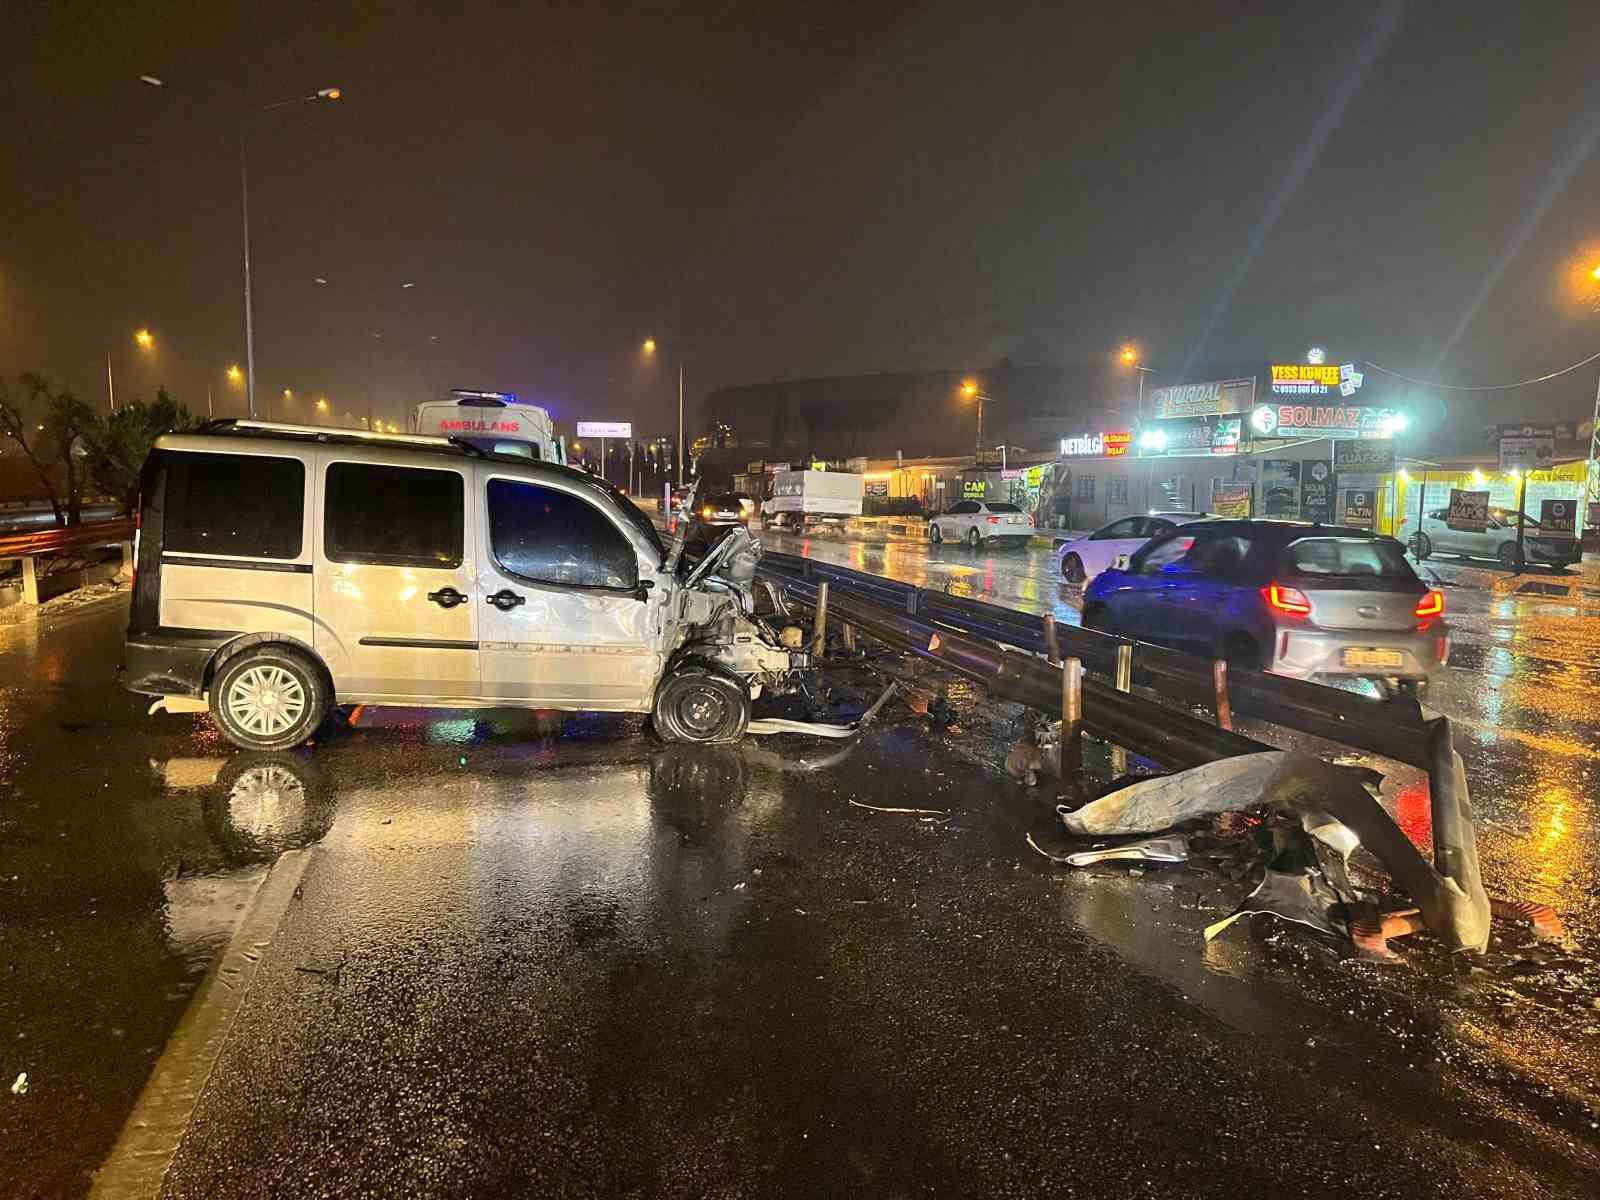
{"x":1288,"y":600}
{"x":992,"y":520}
{"x":1431,"y":604}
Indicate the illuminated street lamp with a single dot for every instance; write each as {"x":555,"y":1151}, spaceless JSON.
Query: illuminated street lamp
{"x":649,"y":350}
{"x":327,"y":93}
{"x":235,"y":375}
{"x":1130,"y":358}
{"x":971,"y":391}
{"x":143,"y":339}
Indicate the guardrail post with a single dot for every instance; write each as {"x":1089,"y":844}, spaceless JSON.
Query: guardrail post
{"x":819,"y":636}
{"x":126,"y":570}
{"x":30,"y":581}
{"x":1123,"y":683}
{"x":1219,"y":688}
{"x":1052,"y":647}
{"x":1071,"y":722}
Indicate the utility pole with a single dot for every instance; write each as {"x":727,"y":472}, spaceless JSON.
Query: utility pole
{"x":680,"y":422}
{"x":1592,"y":488}
{"x":111,"y":388}
{"x":249,"y":321}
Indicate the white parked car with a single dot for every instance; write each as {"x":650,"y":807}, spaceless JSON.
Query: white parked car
{"x":1498,"y":540}
{"x":1082,"y":558}
{"x":979,"y":522}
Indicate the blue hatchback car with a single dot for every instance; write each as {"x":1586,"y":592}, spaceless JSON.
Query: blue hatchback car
{"x":1285,"y":596}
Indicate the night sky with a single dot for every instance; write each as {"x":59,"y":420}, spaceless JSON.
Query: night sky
{"x":794,"y":189}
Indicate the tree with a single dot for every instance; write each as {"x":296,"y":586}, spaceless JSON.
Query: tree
{"x":50,"y":426}
{"x":119,"y":444}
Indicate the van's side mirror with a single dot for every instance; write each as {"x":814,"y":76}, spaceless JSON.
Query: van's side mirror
{"x":1122,"y":562}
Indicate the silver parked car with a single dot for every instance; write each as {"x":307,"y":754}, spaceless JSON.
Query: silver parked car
{"x":1497,"y":541}
{"x":980,"y":522}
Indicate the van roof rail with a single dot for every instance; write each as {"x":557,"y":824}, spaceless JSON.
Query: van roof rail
{"x":322,"y":431}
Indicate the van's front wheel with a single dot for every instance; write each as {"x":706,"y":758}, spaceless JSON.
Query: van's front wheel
{"x":699,"y":704}
{"x":270,"y":698}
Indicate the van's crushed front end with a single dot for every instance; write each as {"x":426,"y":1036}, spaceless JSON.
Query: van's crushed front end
{"x":718,"y":623}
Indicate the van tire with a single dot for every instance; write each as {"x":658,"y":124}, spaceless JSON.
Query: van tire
{"x":296,"y":690}
{"x":700,"y":704}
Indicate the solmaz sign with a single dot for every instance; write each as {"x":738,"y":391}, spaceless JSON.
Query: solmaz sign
{"x":1322,"y":421}
{"x":1097,"y":445}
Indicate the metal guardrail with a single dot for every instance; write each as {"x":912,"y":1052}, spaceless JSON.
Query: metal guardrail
{"x":73,"y":537}
{"x":1394,"y":728}
{"x":976,"y":640}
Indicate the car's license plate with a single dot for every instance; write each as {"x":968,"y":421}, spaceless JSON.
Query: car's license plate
{"x":1374,"y":658}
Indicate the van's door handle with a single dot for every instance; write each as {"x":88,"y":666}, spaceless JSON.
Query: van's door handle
{"x":447,"y":597}
{"x":505,"y":599}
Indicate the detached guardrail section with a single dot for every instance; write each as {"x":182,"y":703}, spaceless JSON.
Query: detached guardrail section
{"x":1012,"y":652}
{"x":31,"y":547}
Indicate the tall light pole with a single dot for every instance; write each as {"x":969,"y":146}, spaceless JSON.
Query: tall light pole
{"x":971,"y":391}
{"x":649,"y":350}
{"x":328,"y":93}
{"x":1130,"y":358}
{"x":143,"y":339}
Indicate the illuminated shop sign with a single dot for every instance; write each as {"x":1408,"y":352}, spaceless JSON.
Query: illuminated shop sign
{"x":1323,"y":421}
{"x":1114,"y":444}
{"x":1202,"y":399}
{"x":1315,"y":379}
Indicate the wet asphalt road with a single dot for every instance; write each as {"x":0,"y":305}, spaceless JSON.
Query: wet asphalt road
{"x":556,"y":958}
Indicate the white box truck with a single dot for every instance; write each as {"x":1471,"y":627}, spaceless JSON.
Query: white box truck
{"x":805,"y":498}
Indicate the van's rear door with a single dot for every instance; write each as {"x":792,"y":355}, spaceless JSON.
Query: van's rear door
{"x":397,"y":611}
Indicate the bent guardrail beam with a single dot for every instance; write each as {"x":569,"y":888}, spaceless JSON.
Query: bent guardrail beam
{"x":1449,"y":891}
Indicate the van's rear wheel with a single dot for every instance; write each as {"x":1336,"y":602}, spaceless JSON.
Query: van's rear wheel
{"x":699,"y":704}
{"x":270,"y":698}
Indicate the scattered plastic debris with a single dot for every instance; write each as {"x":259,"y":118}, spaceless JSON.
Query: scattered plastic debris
{"x":915,"y":812}
{"x":1303,"y":896}
{"x":1171,"y":849}
{"x":20,"y":1087}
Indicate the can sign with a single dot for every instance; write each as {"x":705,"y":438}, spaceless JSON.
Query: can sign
{"x":1468,"y":511}
{"x":1558,"y":518}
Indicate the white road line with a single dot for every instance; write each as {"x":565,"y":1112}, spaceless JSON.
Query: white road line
{"x":137,"y":1164}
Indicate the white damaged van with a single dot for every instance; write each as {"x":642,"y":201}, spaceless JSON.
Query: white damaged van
{"x":282,"y":569}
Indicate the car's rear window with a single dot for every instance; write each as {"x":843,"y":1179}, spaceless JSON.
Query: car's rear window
{"x":1349,"y":558}
{"x":1004,"y":508}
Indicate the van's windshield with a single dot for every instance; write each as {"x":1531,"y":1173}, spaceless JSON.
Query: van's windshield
{"x":641,"y":522}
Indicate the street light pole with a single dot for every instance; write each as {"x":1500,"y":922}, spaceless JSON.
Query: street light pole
{"x":249,"y":316}
{"x":327,"y":93}
{"x":680,"y":421}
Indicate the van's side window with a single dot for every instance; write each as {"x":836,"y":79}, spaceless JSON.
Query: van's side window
{"x":393,"y":516}
{"x":549,"y":536}
{"x":234,"y":505}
